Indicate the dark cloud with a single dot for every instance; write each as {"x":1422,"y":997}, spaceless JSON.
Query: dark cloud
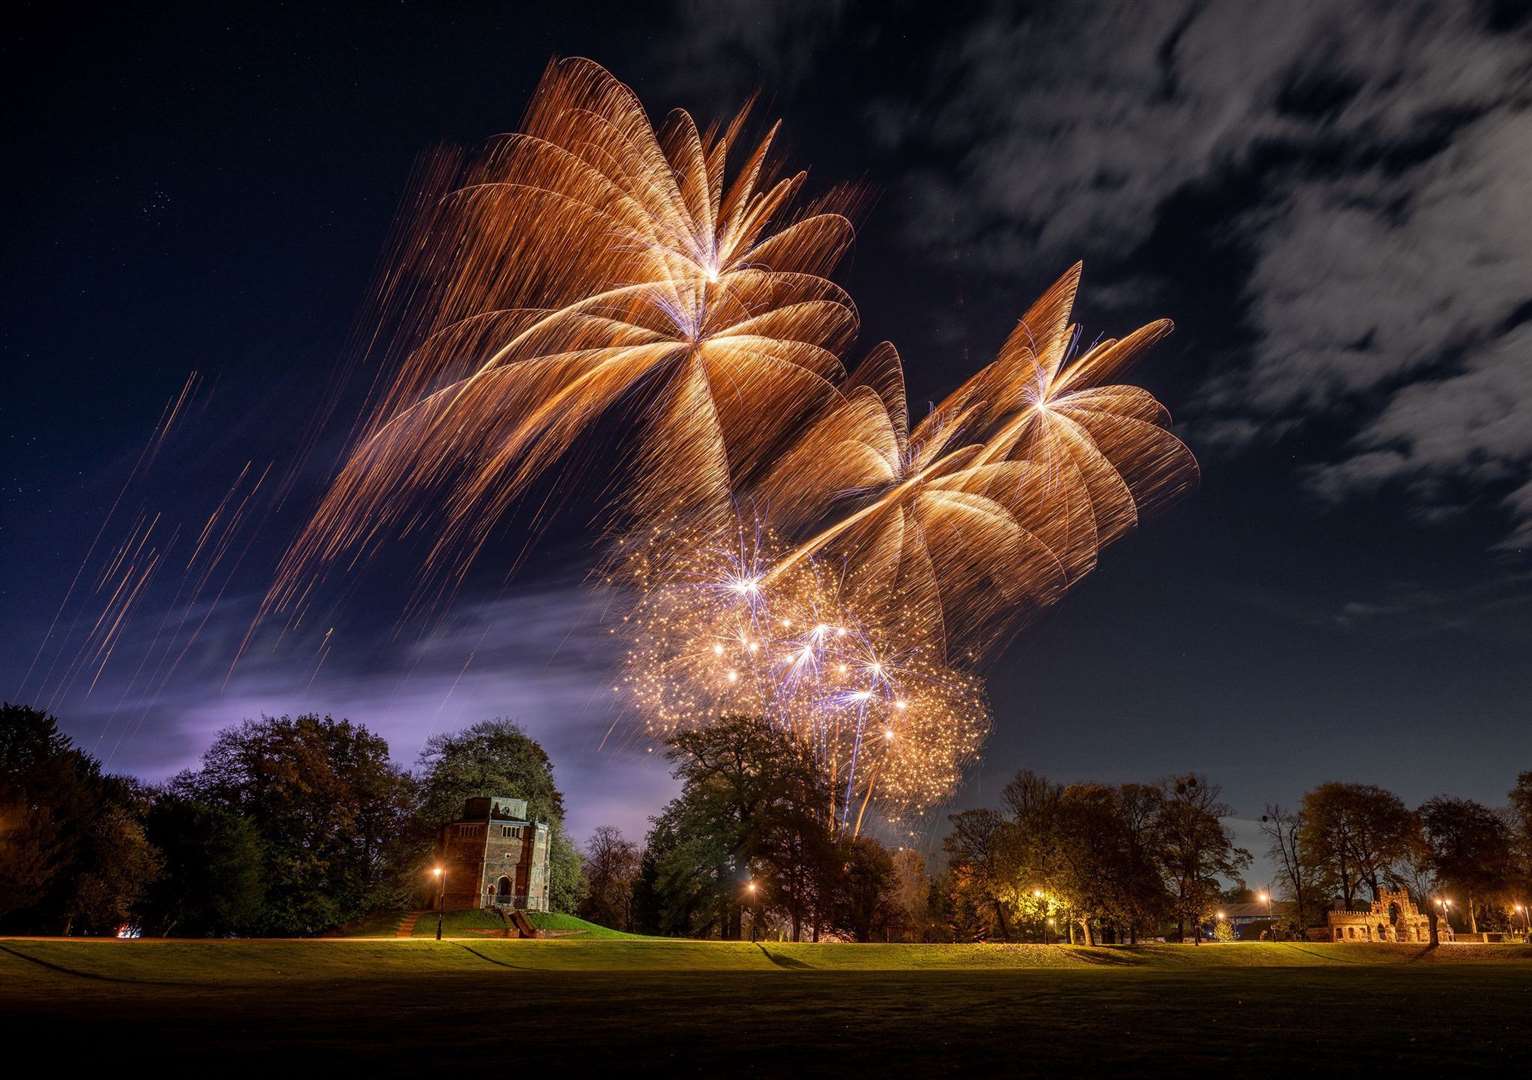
{"x":1373,"y":161}
{"x":722,"y":51}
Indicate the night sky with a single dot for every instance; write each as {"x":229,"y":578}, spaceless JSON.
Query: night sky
{"x":1330,"y":200}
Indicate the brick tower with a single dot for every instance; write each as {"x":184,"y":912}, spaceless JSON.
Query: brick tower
{"x":494,"y":857}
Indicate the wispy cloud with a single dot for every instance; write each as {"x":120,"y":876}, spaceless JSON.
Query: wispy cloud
{"x":542,"y":657}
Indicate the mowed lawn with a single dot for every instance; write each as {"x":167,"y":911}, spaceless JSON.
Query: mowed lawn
{"x":637,"y":1006}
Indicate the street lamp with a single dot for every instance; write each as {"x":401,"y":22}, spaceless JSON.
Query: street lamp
{"x":440,"y":874}
{"x":754,"y":918}
{"x":1526,"y":918}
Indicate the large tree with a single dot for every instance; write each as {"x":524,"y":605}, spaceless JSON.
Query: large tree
{"x":73,"y":854}
{"x":1197,"y":850}
{"x":497,"y":757}
{"x":46,"y":788}
{"x":1297,"y":875}
{"x":330,"y":809}
{"x":1356,"y":832}
{"x":911,"y":896}
{"x":611,"y":871}
{"x":751,"y":808}
{"x":1521,"y":823}
{"x":865,"y":899}
{"x":115,"y":863}
{"x":211,"y":883}
{"x":983,"y":866}
{"x":1471,"y":849}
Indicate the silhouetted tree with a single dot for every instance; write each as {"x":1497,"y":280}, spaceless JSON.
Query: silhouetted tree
{"x":73,"y":855}
{"x":330,"y":809}
{"x":1471,"y":850}
{"x":865,"y":905}
{"x":982,"y":864}
{"x":1297,"y":875}
{"x":1197,"y":849}
{"x":1355,"y":832}
{"x":611,"y":869}
{"x":210,"y":883}
{"x":751,"y":806}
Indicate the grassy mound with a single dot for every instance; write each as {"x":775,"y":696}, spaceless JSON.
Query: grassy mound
{"x":570,"y":926}
{"x":477,"y":923}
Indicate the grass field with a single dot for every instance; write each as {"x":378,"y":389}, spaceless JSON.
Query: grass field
{"x":643,"y":1006}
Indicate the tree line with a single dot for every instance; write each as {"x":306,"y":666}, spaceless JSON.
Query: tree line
{"x":301,"y":825}
{"x":290,"y":826}
{"x":1346,"y":843}
{"x":747,"y":844}
{"x":748,"y":841}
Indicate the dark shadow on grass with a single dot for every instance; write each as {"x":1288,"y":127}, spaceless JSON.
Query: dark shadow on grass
{"x":1339,"y":959}
{"x":97,"y":977}
{"x":492,"y":960}
{"x":1104,"y":958}
{"x":784,"y":961}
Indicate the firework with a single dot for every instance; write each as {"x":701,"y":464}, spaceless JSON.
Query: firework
{"x":791,"y":545}
{"x":559,"y":272}
{"x":722,"y":627}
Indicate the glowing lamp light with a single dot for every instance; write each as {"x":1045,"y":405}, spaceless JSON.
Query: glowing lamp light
{"x":1220,"y":916}
{"x":436,"y":871}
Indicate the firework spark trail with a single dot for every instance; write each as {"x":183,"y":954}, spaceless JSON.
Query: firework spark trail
{"x":557,"y":272}
{"x":793,"y":547}
{"x":168,"y":416}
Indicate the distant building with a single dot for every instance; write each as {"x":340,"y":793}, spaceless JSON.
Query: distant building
{"x":1251,"y":921}
{"x":494,"y":857}
{"x":1392,"y":917}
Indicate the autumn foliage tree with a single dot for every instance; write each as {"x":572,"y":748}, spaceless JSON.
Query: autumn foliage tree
{"x":1355,"y":833}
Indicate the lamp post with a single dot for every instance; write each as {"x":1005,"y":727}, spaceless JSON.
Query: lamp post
{"x":441,"y":897}
{"x":1444,"y":909}
{"x":750,"y":890}
{"x":1526,"y":919}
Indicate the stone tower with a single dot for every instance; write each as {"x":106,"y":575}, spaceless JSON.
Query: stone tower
{"x":495,"y":857}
